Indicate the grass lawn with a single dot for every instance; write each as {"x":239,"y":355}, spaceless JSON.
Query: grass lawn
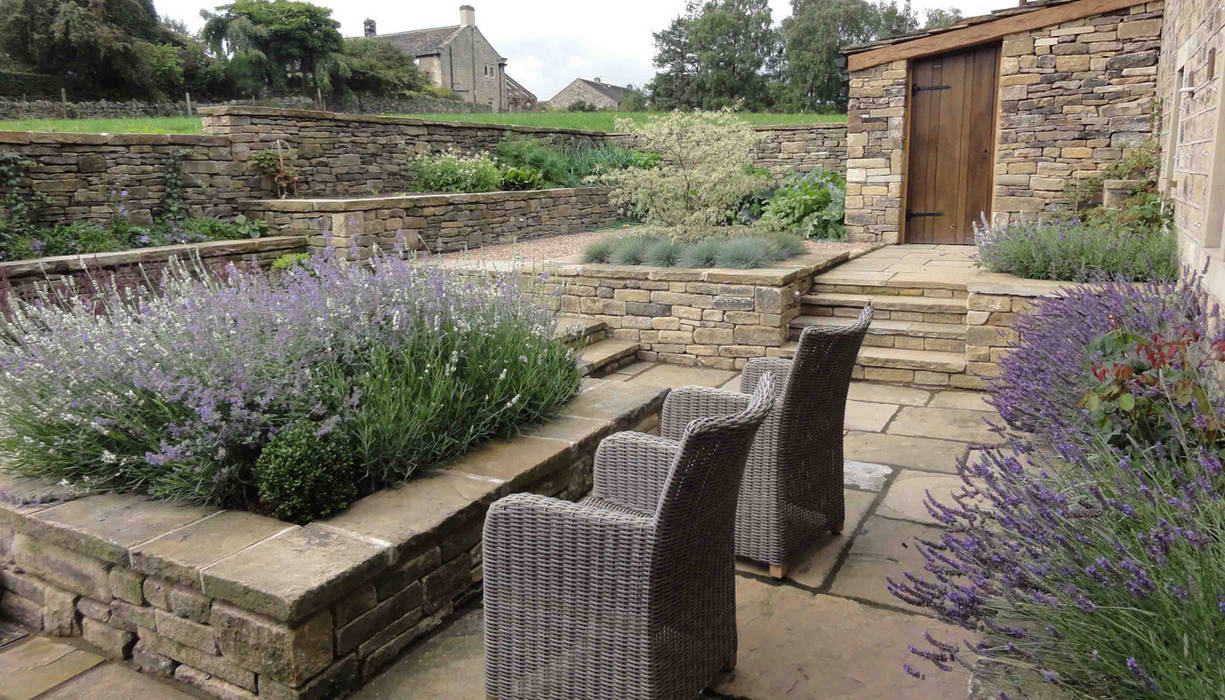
{"x":591,"y":121}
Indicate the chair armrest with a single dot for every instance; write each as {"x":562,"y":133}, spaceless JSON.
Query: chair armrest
{"x":758,"y":366}
{"x":631,"y":469}
{"x":688,"y":403}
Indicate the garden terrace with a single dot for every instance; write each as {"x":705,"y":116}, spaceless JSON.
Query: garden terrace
{"x":436,"y":222}
{"x":244,"y":605}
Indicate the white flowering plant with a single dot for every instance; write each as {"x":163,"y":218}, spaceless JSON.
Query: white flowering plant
{"x":705,"y":169}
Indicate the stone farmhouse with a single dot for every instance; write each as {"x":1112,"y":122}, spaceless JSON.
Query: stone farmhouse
{"x":460,"y":58}
{"x":593,"y":92}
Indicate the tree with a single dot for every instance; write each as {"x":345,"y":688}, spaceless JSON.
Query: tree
{"x":814,"y":36}
{"x":366,"y":65}
{"x":106,"y":45}
{"x":940,"y":17}
{"x":275,"y":44}
{"x":718,"y":54}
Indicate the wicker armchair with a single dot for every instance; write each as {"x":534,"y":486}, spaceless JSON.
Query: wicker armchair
{"x":792,"y":486}
{"x":630,"y":593}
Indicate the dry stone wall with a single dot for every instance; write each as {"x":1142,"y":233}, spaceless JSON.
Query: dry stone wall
{"x":437,"y":223}
{"x":876,"y":136}
{"x":802,"y":147}
{"x":97,"y":177}
{"x":1073,"y":99}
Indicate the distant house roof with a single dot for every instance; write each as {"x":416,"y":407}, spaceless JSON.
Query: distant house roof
{"x":516,"y":89}
{"x":616,"y":93}
{"x":975,"y":30}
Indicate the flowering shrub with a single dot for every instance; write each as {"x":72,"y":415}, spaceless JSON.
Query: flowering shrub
{"x":705,"y":169}
{"x":1093,"y":558}
{"x":810,"y":204}
{"x":1073,"y":251}
{"x":177,"y":393}
{"x":451,"y":171}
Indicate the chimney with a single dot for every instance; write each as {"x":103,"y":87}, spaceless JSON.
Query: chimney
{"x":371,"y":32}
{"x":467,"y":16}
{"x":597,"y":79}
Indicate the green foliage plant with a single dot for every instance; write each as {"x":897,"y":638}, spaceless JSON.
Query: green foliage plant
{"x":305,"y":472}
{"x":735,"y":248}
{"x":289,"y":261}
{"x":705,"y":169}
{"x":452,"y":171}
{"x":278,"y":163}
{"x":525,"y":178}
{"x":810,"y":204}
{"x":174,"y":203}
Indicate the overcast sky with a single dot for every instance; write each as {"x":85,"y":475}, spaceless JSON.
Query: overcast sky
{"x":547,"y":43}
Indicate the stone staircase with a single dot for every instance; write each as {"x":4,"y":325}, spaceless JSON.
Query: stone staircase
{"x":917,"y":336}
{"x":598,"y":353}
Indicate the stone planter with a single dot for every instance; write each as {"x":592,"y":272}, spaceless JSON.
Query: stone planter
{"x":242,"y":606}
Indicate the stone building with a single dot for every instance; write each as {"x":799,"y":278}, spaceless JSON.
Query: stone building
{"x":1191,"y":87}
{"x":593,"y":92}
{"x":460,"y":59}
{"x":995,"y":116}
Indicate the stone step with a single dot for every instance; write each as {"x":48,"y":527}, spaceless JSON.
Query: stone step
{"x":925,"y":305}
{"x":580,"y":331}
{"x":917,"y":329}
{"x":606,"y":355}
{"x":896,"y":358}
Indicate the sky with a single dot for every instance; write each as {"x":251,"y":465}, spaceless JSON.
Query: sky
{"x":547,"y":43}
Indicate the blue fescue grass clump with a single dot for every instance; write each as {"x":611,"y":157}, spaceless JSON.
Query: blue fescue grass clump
{"x":1079,"y":554}
{"x":743,"y":251}
{"x":1073,"y":251}
{"x":175,"y":392}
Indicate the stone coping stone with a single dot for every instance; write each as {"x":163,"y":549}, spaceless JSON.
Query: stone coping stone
{"x":77,"y":263}
{"x":310,"y":114}
{"x":52,"y":138}
{"x":998,"y":283}
{"x":778,"y":275}
{"x":819,"y":126}
{"x":397,"y":201}
{"x":290,"y":572}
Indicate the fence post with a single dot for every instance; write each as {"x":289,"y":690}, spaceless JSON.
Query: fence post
{"x":188,"y":96}
{"x":64,"y":101}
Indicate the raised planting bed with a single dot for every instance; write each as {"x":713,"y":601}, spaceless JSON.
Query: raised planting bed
{"x":242,"y":605}
{"x":22,"y":276}
{"x":716,"y":317}
{"x":437,"y":222}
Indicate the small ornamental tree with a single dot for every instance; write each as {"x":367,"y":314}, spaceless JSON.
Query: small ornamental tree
{"x":705,"y":170}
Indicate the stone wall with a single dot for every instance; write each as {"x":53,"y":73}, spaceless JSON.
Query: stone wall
{"x":245,"y":606}
{"x":129,"y":268}
{"x":1192,"y":93}
{"x":345,"y":154}
{"x":1073,"y":99}
{"x":14,"y":108}
{"x":802,"y":147}
{"x":876,"y":136}
{"x":437,"y":222}
{"x":96,"y":177}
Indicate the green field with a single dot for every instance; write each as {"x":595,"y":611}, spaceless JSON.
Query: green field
{"x":591,"y":121}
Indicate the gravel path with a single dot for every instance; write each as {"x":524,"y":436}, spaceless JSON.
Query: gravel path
{"x":565,"y":246}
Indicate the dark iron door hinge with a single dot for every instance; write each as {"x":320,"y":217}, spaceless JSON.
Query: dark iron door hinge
{"x":917,"y":88}
{"x":912,"y":214}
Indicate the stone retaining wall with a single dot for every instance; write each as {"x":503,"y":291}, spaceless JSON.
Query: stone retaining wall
{"x":97,"y":177}
{"x":14,"y":108}
{"x":347,"y":154}
{"x":439,"y":222}
{"x":245,"y":606}
{"x":137,"y":267}
{"x":994,"y":303}
{"x":802,"y":147}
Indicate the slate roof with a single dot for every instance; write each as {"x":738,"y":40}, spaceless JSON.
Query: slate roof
{"x":421,"y":42}
{"x":960,"y":24}
{"x":616,"y":93}
{"x":514,"y":86}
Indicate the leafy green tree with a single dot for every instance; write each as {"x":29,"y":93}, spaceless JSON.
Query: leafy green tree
{"x":365,"y":65}
{"x":275,"y":44}
{"x":106,"y":45}
{"x":940,"y":17}
{"x":719,"y":53}
{"x":814,"y":35}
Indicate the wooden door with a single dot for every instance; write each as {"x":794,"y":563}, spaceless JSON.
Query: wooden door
{"x":952,"y":135}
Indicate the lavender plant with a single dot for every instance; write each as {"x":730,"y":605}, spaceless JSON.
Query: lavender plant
{"x":1095,"y":564}
{"x":175,"y":393}
{"x":1073,"y":251}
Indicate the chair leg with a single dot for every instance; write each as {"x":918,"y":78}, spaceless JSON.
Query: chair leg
{"x":778,"y":571}
{"x":730,"y":665}
{"x":836,"y":528}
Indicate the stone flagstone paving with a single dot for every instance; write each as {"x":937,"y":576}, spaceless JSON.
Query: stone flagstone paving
{"x":831,"y":630}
